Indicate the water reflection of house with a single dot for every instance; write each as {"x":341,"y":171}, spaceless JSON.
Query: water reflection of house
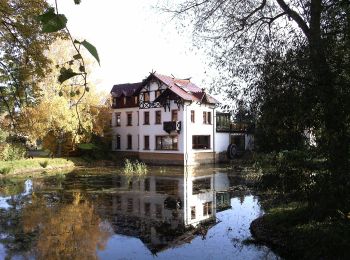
{"x":165,"y":211}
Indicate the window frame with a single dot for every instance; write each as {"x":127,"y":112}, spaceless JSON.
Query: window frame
{"x":127,"y":118}
{"x":129,"y":142}
{"x":207,"y":208}
{"x":156,"y":113}
{"x":144,"y":118}
{"x":201,"y":146}
{"x":193,"y":116}
{"x":173,"y":112}
{"x":118,"y":115}
{"x":193,"y":212}
{"x":172,"y":144}
{"x":117,"y":142}
{"x":146,"y":137}
{"x":207,"y":118}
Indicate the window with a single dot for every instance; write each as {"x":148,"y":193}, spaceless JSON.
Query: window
{"x":138,"y":117}
{"x":201,"y":142}
{"x":147,"y":184}
{"x":117,"y":119}
{"x":130,"y":205}
{"x":145,"y":96}
{"x":159,"y":211}
{"x":158,"y":117}
{"x":135,"y":100}
{"x":114,"y":100}
{"x":129,"y":142}
{"x":173,"y":115}
{"x":147,"y":209}
{"x":119,"y":202}
{"x":157,"y":93}
{"x":146,"y":118}
{"x":207,"y":208}
{"x":193,"y":212}
{"x":146,"y":142}
{"x":117,"y":142}
{"x":166,"y":142}
{"x":124,"y":100}
{"x":192,"y":116}
{"x":207,"y":118}
{"x":129,"y":118}
{"x":201,"y":185}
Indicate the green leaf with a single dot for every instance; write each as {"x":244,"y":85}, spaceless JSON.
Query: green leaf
{"x":66,"y":74}
{"x":91,"y":48}
{"x":52,"y":22}
{"x":77,"y":2}
{"x":77,"y":56}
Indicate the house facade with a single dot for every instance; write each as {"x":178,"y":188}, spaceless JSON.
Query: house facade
{"x":165,"y":120}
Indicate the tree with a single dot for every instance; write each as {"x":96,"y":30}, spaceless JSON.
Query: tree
{"x":22,"y":58}
{"x":243,"y":32}
{"x":55,"y":117}
{"x":283,"y":102}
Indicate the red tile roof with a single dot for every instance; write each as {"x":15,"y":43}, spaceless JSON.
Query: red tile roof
{"x":184,"y":88}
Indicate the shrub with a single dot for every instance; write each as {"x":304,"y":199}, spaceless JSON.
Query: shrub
{"x":11,"y":152}
{"x":5,"y":170}
{"x":44,"y":164}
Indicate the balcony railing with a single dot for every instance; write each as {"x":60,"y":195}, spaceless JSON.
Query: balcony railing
{"x":235,"y":127}
{"x":172,"y":126}
{"x":149,"y":104}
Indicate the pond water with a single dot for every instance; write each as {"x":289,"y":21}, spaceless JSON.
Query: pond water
{"x":171,"y":213}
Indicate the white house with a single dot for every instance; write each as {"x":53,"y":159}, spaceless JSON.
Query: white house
{"x":165,"y":120}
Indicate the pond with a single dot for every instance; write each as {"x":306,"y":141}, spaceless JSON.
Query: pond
{"x":171,"y":213}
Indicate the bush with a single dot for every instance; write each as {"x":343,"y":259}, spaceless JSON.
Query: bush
{"x":44,"y":164}
{"x":11,"y":152}
{"x":5,"y":170}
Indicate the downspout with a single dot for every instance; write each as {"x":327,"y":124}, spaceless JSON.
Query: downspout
{"x":185,"y":137}
{"x":214,"y":124}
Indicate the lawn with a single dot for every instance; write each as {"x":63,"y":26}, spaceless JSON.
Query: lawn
{"x":36,"y":164}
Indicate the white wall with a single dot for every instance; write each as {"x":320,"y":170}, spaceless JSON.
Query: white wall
{"x":152,"y":130}
{"x":123,"y":130}
{"x":197,"y":128}
{"x":222,"y":141}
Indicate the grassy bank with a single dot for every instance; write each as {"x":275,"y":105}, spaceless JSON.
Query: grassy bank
{"x":296,"y":232}
{"x":36,"y":165}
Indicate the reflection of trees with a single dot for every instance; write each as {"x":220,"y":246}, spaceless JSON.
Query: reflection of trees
{"x":65,"y":231}
{"x":9,"y":187}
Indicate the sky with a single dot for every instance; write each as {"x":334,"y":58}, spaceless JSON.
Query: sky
{"x":133,"y":38}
